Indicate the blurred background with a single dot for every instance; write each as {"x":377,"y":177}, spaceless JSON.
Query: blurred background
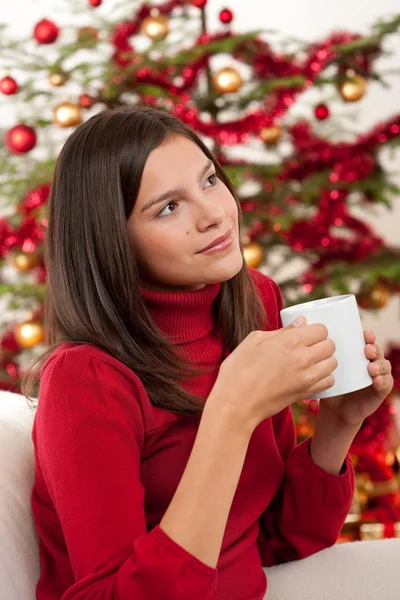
{"x":299,"y":102}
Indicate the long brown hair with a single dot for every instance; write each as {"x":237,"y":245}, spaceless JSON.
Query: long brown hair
{"x":93,"y":294}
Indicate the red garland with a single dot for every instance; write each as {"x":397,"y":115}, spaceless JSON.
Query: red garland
{"x":31,"y":231}
{"x":123,"y":31}
{"x":266,"y":64}
{"x":393,"y":357}
{"x":35,"y":199}
{"x":6,"y":233}
{"x":27,"y":236}
{"x":370,"y":448}
{"x":346,"y":162}
{"x":315,"y":233}
{"x":349,"y":161}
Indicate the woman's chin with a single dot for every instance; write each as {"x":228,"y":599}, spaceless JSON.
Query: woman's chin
{"x":225,"y":269}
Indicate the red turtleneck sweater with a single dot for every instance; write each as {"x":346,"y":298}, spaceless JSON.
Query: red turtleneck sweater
{"x":108,"y":463}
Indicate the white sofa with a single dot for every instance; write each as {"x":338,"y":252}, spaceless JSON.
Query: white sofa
{"x":357,"y":571}
{"x":19,"y":556}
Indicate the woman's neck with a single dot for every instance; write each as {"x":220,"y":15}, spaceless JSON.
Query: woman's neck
{"x":183,"y":316}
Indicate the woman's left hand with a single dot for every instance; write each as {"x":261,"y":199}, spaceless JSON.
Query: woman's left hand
{"x":351,"y":409}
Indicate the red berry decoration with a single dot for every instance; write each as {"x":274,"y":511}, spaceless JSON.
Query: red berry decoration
{"x":20,"y":139}
{"x":321,"y":112}
{"x":226,"y":16}
{"x":46,"y":32}
{"x":8,"y":86}
{"x":86,"y":101}
{"x":199,"y":3}
{"x":95,"y":3}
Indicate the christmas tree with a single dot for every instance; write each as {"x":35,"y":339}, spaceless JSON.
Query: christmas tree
{"x":297,"y":196}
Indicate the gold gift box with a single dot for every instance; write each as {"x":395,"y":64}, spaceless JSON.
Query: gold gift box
{"x":376,"y":531}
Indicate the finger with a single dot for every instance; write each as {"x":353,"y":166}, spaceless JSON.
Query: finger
{"x":373,"y":351}
{"x":374,"y":369}
{"x":379,"y":367}
{"x":321,"y":371}
{"x":312,"y":334}
{"x":370,"y":337}
{"x":299,"y":322}
{"x":320,"y":351}
{"x":383,"y":384}
{"x":321,"y":385}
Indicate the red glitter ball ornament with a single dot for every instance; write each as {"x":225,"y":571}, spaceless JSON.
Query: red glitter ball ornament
{"x":199,"y":3}
{"x":20,"y":139}
{"x":95,"y":3}
{"x":226,"y":16}
{"x":86,"y":101}
{"x":46,"y":32}
{"x":8,"y":86}
{"x":321,"y":112}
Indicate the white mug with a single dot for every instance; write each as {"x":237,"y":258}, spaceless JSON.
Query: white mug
{"x":341,"y":317}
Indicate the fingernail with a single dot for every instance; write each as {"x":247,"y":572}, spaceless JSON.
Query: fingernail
{"x":299,"y":321}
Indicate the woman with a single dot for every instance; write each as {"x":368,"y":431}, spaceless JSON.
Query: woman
{"x":166,"y":464}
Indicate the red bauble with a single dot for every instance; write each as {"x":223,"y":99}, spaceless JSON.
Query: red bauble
{"x":46,"y":32}
{"x":321,"y":112}
{"x":199,"y":3}
{"x":226,"y":15}
{"x":95,"y":3}
{"x":86,"y":101}
{"x":8,"y":86}
{"x":20,"y":139}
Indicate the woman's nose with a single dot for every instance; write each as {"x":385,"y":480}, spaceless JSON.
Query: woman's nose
{"x":209,"y":214}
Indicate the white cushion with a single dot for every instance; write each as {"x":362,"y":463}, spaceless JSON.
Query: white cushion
{"x":352,"y":571}
{"x":360,"y":570}
{"x":19,"y":551}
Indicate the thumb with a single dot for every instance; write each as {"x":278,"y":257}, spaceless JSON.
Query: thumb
{"x":299,"y":322}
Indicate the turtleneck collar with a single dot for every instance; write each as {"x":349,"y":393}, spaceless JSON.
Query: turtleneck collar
{"x":184,"y":316}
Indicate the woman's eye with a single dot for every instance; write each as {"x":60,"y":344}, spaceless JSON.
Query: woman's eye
{"x":213,"y":179}
{"x":164,"y":211}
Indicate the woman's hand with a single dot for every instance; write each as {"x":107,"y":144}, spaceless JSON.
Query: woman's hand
{"x":351,"y":409}
{"x":270,"y":370}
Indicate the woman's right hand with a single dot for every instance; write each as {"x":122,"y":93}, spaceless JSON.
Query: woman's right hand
{"x":271,"y":370}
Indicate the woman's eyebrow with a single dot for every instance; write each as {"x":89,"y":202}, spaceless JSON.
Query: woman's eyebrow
{"x":175,"y":192}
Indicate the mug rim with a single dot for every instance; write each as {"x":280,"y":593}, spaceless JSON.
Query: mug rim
{"x":319,"y":303}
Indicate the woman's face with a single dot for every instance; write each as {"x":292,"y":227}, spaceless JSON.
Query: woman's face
{"x":182,"y":208}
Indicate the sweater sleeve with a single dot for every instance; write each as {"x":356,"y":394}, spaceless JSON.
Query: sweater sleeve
{"x":311,"y":505}
{"x":309,"y":510}
{"x":89,"y":436}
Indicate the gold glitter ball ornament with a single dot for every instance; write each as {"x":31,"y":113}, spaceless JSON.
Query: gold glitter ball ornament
{"x":253,"y":255}
{"x":29,"y":333}
{"x":156,"y":27}
{"x":227,"y":80}
{"x":67,"y":114}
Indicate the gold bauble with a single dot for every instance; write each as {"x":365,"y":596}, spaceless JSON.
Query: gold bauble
{"x":23,"y":261}
{"x":253,"y":255}
{"x":29,"y":333}
{"x":375,"y":297}
{"x":58,"y":78}
{"x":304,"y":431}
{"x":227,"y":80}
{"x":155,"y":27}
{"x":271,"y":135}
{"x":67,"y":114}
{"x":353,"y":88}
{"x":87,"y":35}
